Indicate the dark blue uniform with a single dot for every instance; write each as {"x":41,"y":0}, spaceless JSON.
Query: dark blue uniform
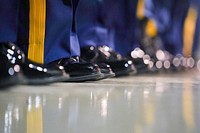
{"x":120,"y":16}
{"x":8,"y":20}
{"x":90,"y":24}
{"x":60,"y":40}
{"x":108,"y":22}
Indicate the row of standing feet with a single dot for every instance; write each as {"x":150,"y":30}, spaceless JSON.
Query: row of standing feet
{"x":95,"y":63}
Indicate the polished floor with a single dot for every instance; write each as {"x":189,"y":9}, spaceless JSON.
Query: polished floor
{"x":161,"y":103}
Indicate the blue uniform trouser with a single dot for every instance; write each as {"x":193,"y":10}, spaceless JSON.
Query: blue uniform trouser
{"x":60,"y":39}
{"x":110,"y":22}
{"x":169,"y":16}
{"x":8,"y":20}
{"x":120,"y":16}
{"x":90,"y":24}
{"x":129,"y":38}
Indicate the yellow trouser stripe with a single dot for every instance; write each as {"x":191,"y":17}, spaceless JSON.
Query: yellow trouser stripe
{"x":189,"y":31}
{"x":151,"y":29}
{"x":37,"y":30}
{"x":140,"y":9}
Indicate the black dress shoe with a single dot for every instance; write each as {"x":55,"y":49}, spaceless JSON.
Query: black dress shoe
{"x":80,"y":71}
{"x":34,"y":73}
{"x":10,"y":71}
{"x":157,"y":61}
{"x":104,"y":54}
{"x":105,"y":69}
{"x":176,"y":63}
{"x":141,"y":60}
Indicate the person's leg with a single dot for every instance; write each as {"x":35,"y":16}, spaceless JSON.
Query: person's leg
{"x":52,"y":38}
{"x":160,"y":11}
{"x":9,"y":20}
{"x":171,"y":18}
{"x":29,"y":68}
{"x":171,"y":32}
{"x":90,"y":28}
{"x":54,"y":35}
{"x":120,"y":19}
{"x":97,"y":26}
{"x":9,"y":69}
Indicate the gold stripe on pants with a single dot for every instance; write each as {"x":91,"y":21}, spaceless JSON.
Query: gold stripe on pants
{"x":189,"y":31}
{"x":37,"y":23}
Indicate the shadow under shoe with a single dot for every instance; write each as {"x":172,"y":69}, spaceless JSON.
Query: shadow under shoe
{"x":104,"y":54}
{"x":35,"y":73}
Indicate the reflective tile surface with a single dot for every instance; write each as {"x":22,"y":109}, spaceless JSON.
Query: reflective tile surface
{"x":138,"y":104}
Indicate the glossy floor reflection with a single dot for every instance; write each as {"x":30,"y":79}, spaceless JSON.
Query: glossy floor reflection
{"x":139,"y":104}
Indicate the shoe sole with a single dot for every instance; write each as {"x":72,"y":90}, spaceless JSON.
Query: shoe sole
{"x":108,"y":75}
{"x":91,"y":77}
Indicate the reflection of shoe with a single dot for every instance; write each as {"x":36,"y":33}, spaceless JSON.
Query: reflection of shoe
{"x":80,"y":71}
{"x":10,"y":71}
{"x":34,"y":73}
{"x":105,"y":55}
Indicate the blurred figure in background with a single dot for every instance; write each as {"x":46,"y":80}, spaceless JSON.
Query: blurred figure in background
{"x":177,"y":27}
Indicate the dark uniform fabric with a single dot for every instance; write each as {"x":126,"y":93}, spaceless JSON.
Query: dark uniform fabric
{"x":8,"y":20}
{"x":60,"y":38}
{"x":90,"y":24}
{"x":108,"y":22}
{"x":120,"y":17}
